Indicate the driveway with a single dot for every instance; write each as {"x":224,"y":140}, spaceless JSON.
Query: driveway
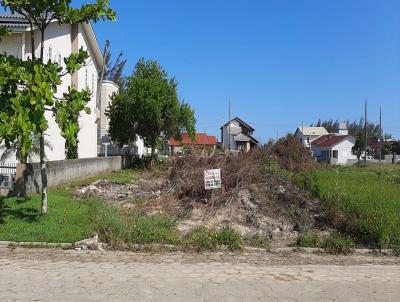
{"x":57,"y":275}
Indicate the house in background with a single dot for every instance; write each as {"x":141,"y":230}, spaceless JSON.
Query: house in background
{"x":335,"y":148}
{"x":202,"y":142}
{"x":237,"y":136}
{"x":60,"y":42}
{"x":306,"y":135}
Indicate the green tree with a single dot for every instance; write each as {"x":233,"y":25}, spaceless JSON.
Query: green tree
{"x":28,"y":88}
{"x":114,"y":71}
{"x":359,"y":146}
{"x":148,"y":106}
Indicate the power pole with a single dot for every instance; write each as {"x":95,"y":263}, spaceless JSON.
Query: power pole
{"x":366,"y":132}
{"x":380,"y":134}
{"x":229,"y":128}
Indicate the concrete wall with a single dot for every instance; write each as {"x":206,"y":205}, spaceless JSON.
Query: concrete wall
{"x":28,"y":178}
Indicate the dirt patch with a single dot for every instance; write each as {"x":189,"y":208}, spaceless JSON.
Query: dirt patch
{"x":253,"y":200}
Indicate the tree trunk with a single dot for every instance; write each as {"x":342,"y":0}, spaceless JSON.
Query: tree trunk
{"x":44,"y":176}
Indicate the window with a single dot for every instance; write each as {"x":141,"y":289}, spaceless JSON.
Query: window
{"x":92,"y":82}
{"x":50,"y":54}
{"x":59,"y":59}
{"x":335,"y":154}
{"x":86,"y":78}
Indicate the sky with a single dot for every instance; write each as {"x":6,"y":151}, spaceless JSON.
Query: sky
{"x":280,"y":63}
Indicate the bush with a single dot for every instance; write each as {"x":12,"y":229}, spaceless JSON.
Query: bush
{"x":337,"y":243}
{"x":230,"y":238}
{"x":292,"y":155}
{"x":201,"y":239}
{"x":308,"y":239}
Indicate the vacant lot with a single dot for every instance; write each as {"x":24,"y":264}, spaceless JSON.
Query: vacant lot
{"x":363,"y":202}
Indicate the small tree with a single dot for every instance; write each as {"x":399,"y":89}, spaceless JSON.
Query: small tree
{"x":149,"y":107}
{"x":359,"y":146}
{"x":28,"y":88}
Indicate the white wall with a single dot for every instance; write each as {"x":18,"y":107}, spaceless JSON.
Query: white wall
{"x":107,"y":90}
{"x":344,"y":149}
{"x":234,"y":130}
{"x":13,"y":45}
{"x":57,"y":46}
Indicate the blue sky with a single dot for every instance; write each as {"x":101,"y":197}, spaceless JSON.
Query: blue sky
{"x":280,"y":62}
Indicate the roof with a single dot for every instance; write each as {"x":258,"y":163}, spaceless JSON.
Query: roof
{"x":245,"y":138}
{"x":329,"y":140}
{"x":200,"y":139}
{"x":374,"y":143}
{"x":241,"y":122}
{"x":242,"y":138}
{"x":13,"y":21}
{"x":312,"y":130}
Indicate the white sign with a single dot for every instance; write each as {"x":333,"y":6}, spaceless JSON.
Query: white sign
{"x":212,"y":179}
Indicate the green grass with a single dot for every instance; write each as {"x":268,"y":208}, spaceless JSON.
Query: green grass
{"x":362,"y":202}
{"x":203,"y":239}
{"x":120,"y":228}
{"x":337,"y":243}
{"x":309,"y":239}
{"x":67,"y":221}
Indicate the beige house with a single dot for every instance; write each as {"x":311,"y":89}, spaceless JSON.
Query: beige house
{"x":306,"y":135}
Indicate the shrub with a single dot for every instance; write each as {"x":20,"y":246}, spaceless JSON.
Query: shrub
{"x":257,"y":241}
{"x":292,"y":155}
{"x":308,"y":239}
{"x":337,"y":243}
{"x":230,"y":238}
{"x":201,"y":239}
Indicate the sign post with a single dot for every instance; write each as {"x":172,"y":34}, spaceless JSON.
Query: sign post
{"x":212,"y":181}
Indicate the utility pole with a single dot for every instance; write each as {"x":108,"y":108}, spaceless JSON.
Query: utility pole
{"x":229,"y":128}
{"x":366,"y":132}
{"x":380,"y":134}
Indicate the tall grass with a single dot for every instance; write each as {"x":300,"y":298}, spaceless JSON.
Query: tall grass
{"x":363,"y":202}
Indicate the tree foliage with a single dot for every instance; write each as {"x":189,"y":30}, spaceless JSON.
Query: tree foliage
{"x":149,"y":107}
{"x":354,"y":127}
{"x":28,"y":88}
{"x":359,"y":146}
{"x":114,"y":71}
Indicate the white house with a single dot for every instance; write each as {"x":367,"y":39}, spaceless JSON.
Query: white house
{"x":335,"y":149}
{"x":237,"y":135}
{"x":60,"y":42}
{"x":306,"y":135}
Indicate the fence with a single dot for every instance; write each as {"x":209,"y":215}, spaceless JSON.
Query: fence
{"x":7,"y":174}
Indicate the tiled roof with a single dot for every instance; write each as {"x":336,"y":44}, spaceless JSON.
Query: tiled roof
{"x":328,"y":140}
{"x":200,"y":139}
{"x":13,"y":21}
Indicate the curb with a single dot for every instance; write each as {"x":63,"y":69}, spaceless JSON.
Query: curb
{"x":137,"y":247}
{"x":36,"y":244}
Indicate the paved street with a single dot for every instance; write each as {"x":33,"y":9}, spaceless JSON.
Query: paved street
{"x":56,"y":275}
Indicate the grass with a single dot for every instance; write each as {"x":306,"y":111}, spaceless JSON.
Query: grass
{"x":67,"y":221}
{"x":337,"y":243}
{"x":309,"y":239}
{"x":363,"y":202}
{"x":257,"y":241}
{"x":203,"y":239}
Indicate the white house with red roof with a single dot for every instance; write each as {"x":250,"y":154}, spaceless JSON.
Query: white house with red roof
{"x":336,"y":149}
{"x":201,"y":141}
